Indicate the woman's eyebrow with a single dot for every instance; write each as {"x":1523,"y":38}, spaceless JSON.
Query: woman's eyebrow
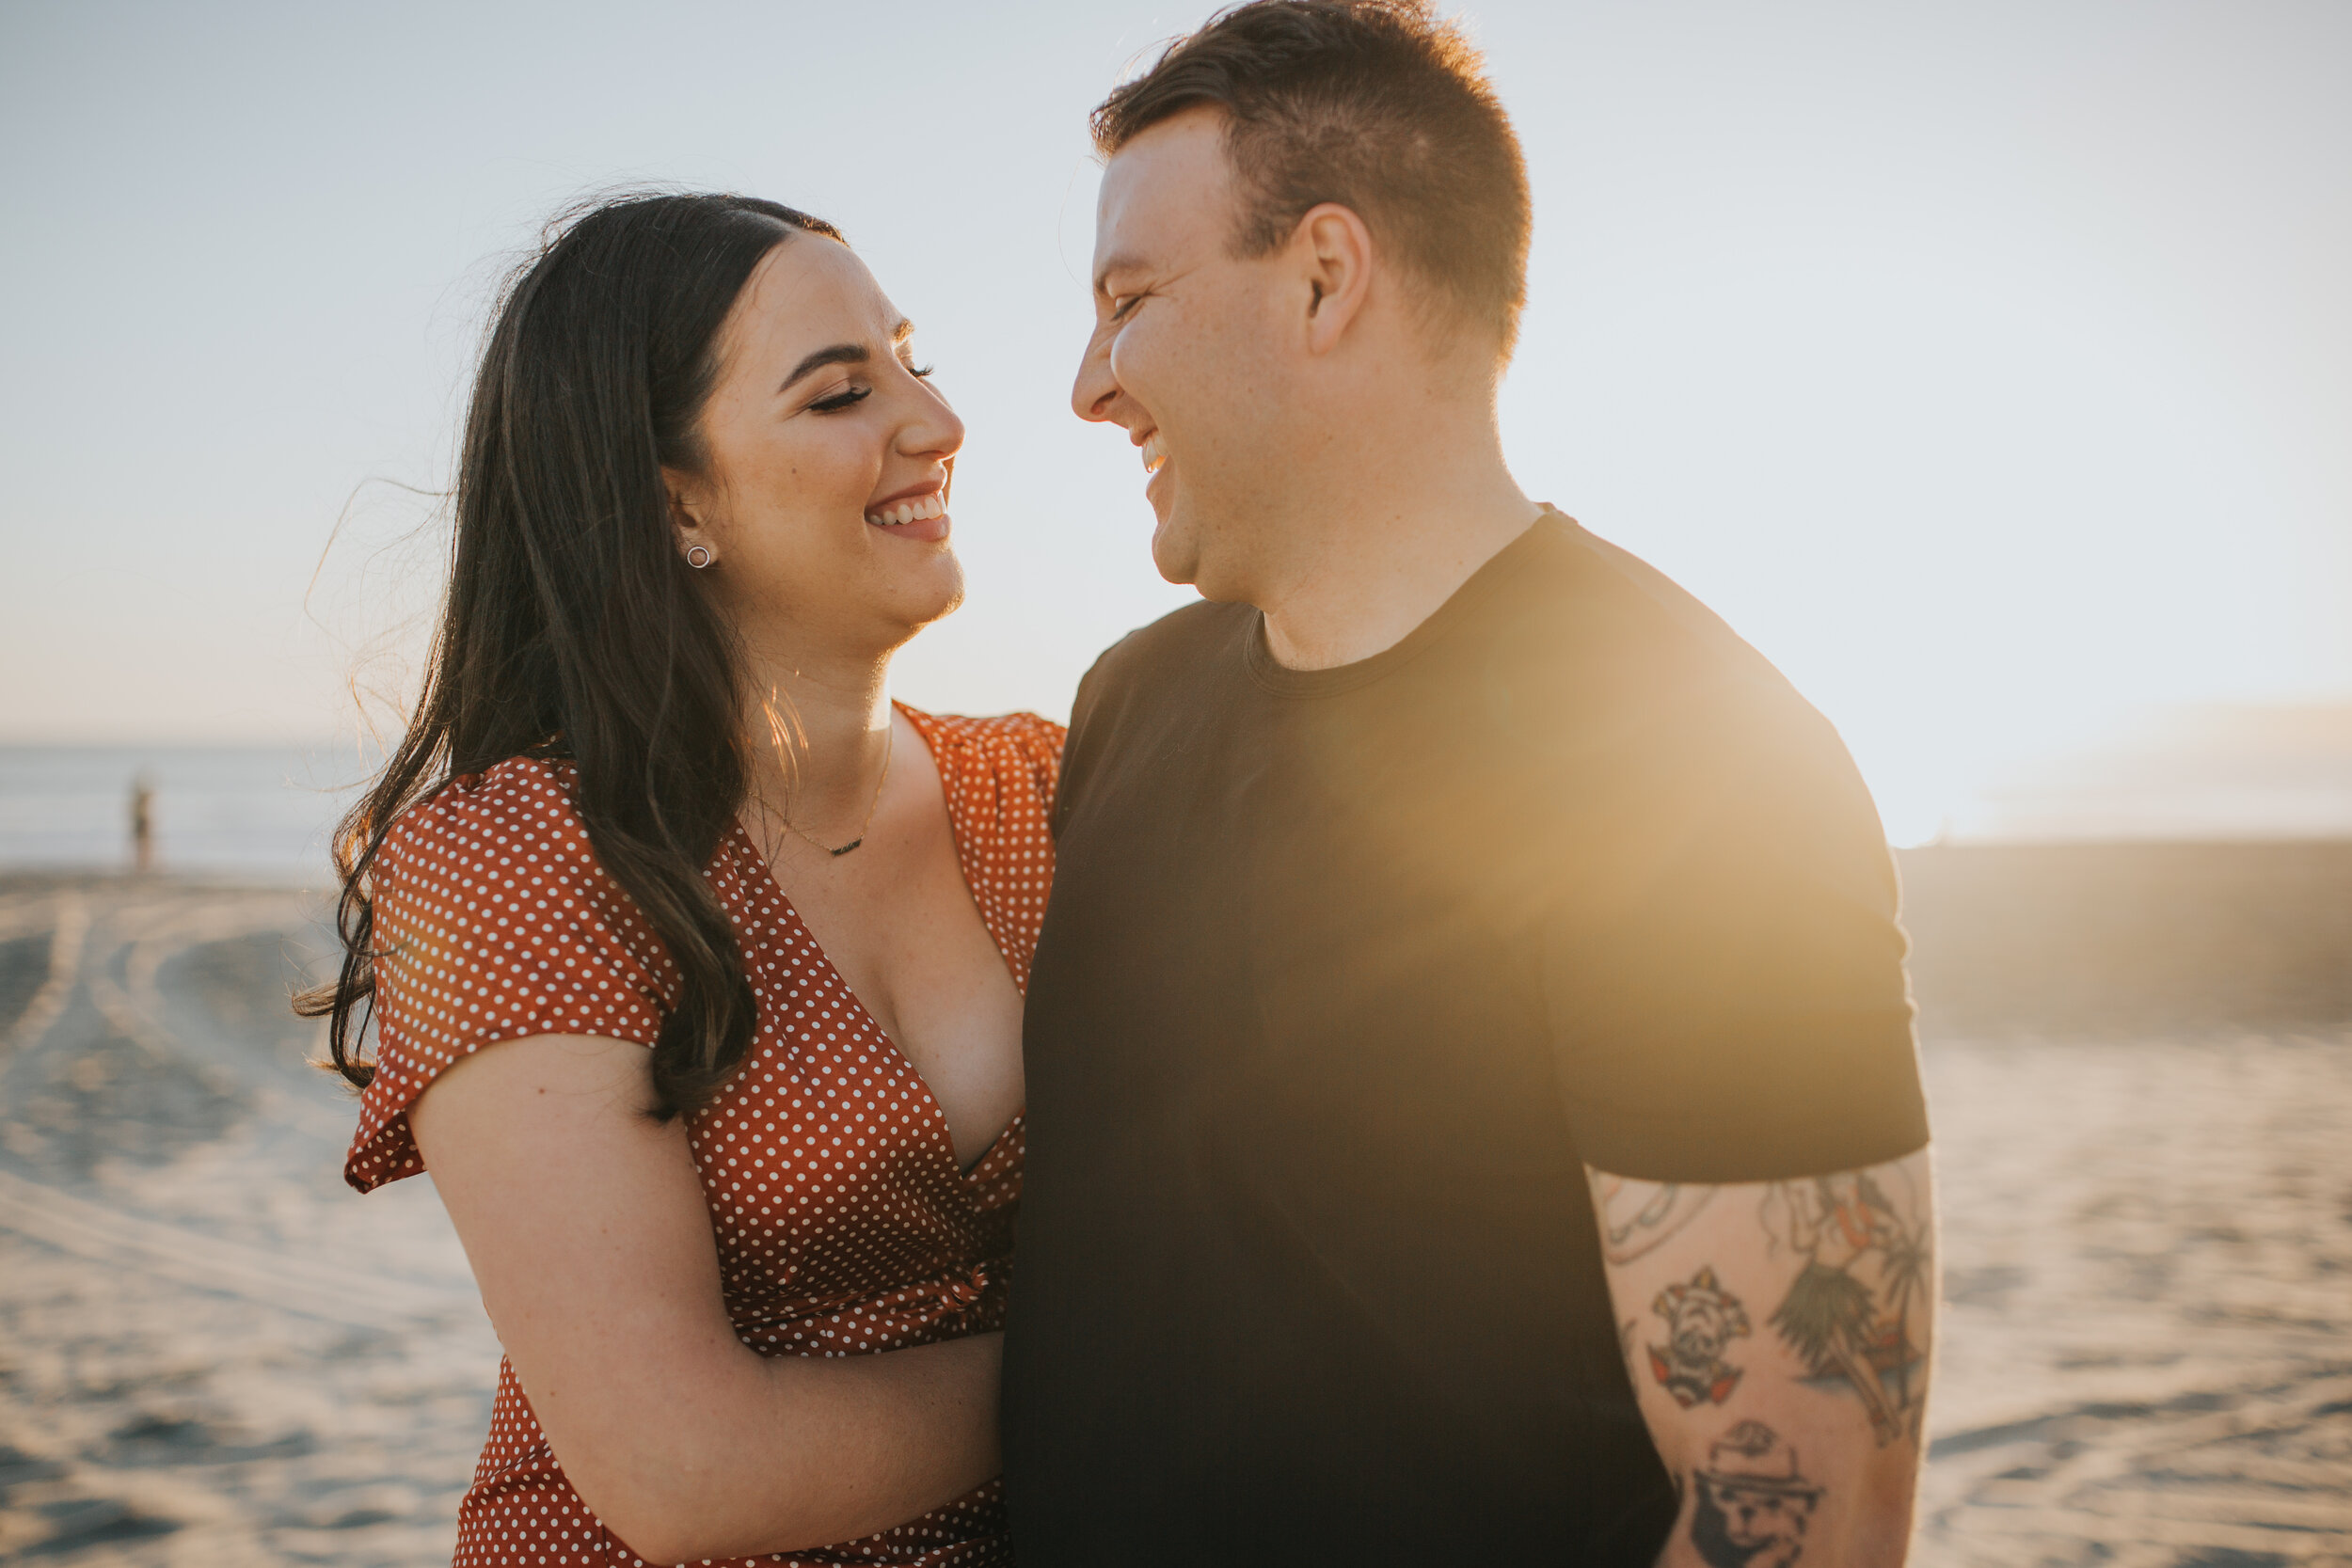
{"x":839,"y":354}
{"x":844,"y":354}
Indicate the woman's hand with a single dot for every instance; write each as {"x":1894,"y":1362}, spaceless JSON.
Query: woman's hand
{"x":589,"y":1236}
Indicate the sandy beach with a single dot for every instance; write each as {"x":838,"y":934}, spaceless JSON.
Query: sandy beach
{"x":211,"y":1351}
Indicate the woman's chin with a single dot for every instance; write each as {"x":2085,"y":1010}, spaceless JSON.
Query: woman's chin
{"x":918,"y":598}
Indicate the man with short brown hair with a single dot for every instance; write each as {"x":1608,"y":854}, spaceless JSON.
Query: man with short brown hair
{"x":1472,"y":1112}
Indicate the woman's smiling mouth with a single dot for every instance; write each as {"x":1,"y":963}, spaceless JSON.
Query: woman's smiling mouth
{"x":915,"y":508}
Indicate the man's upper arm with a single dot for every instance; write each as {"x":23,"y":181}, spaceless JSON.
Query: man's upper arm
{"x":1723,"y":975}
{"x":1778,"y":1336}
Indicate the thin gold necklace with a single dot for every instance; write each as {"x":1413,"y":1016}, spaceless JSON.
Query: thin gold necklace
{"x":890,"y":740}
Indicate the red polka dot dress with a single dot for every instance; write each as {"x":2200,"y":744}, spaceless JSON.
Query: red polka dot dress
{"x":844,"y":1223}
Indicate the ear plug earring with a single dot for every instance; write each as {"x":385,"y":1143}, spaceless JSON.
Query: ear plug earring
{"x":698,"y":556}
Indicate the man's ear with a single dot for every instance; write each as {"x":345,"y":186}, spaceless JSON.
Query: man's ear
{"x":1333,"y":247}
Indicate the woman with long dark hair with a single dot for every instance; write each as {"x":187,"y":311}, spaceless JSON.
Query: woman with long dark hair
{"x":694,"y":964}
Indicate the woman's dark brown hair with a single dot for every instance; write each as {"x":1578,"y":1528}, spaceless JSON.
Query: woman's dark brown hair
{"x":571,"y":627}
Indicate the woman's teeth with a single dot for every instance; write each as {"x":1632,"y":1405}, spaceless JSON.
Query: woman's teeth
{"x":1154,"y":455}
{"x":921,"y":509}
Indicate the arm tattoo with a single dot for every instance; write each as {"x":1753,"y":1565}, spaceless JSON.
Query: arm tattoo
{"x":1849,"y":1312}
{"x":1638,"y":1216}
{"x":1754,"y":1505}
{"x":1701,"y":1319}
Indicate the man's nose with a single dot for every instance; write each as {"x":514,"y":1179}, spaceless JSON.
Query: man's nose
{"x":1092,"y":395}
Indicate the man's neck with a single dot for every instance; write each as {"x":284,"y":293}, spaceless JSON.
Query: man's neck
{"x":1378,"y":561}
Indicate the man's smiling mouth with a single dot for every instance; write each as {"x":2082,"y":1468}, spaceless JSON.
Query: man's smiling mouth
{"x":1154,"y":455}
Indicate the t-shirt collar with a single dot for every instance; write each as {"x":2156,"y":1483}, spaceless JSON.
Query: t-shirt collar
{"x":1464,"y":602}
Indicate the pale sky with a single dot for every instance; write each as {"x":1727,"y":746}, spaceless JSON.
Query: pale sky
{"x":1988,"y":366}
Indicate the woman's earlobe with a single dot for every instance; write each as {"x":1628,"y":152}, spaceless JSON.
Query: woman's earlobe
{"x":697,"y":555}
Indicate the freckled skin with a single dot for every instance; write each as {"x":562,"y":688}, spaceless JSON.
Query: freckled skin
{"x":784,"y":504}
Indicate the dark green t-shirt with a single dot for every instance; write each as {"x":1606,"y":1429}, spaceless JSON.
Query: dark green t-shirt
{"x":1346,"y":976}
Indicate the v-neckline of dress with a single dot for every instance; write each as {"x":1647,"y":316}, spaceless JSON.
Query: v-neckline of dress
{"x":943,"y":1131}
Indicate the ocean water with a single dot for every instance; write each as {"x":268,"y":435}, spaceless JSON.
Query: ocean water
{"x":251,"y":813}
{"x":263,"y":813}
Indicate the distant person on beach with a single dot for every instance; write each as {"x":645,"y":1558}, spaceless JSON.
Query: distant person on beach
{"x":1474,"y":1116}
{"x":695,"y":964}
{"x":142,"y":824}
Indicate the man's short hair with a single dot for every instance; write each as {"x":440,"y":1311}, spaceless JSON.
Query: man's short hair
{"x":1378,"y":105}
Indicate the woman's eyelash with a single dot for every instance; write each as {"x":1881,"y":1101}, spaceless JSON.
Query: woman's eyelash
{"x":849,"y":397}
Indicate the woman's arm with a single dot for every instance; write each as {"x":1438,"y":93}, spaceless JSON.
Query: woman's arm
{"x":589,"y":1236}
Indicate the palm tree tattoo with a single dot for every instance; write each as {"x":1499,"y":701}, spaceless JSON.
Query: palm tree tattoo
{"x":1849,"y":1311}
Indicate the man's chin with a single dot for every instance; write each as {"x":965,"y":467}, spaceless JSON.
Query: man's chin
{"x":1175,"y":550}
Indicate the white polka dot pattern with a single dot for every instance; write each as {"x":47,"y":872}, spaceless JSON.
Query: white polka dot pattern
{"x":844,"y":1224}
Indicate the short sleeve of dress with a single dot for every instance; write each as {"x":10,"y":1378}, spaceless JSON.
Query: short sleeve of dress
{"x":494,"y":922}
{"x":1038,"y":743}
{"x":999,"y":775}
{"x":1726,"y":980}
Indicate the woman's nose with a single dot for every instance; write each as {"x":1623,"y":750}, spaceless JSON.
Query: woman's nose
{"x":937,"y":430}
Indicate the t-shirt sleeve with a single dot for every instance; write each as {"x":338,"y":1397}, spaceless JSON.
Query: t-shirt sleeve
{"x":494,"y":922}
{"x":1073,"y":752}
{"x":1723,"y":974}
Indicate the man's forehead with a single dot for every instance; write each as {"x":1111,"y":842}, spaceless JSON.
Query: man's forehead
{"x":1164,"y":193}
